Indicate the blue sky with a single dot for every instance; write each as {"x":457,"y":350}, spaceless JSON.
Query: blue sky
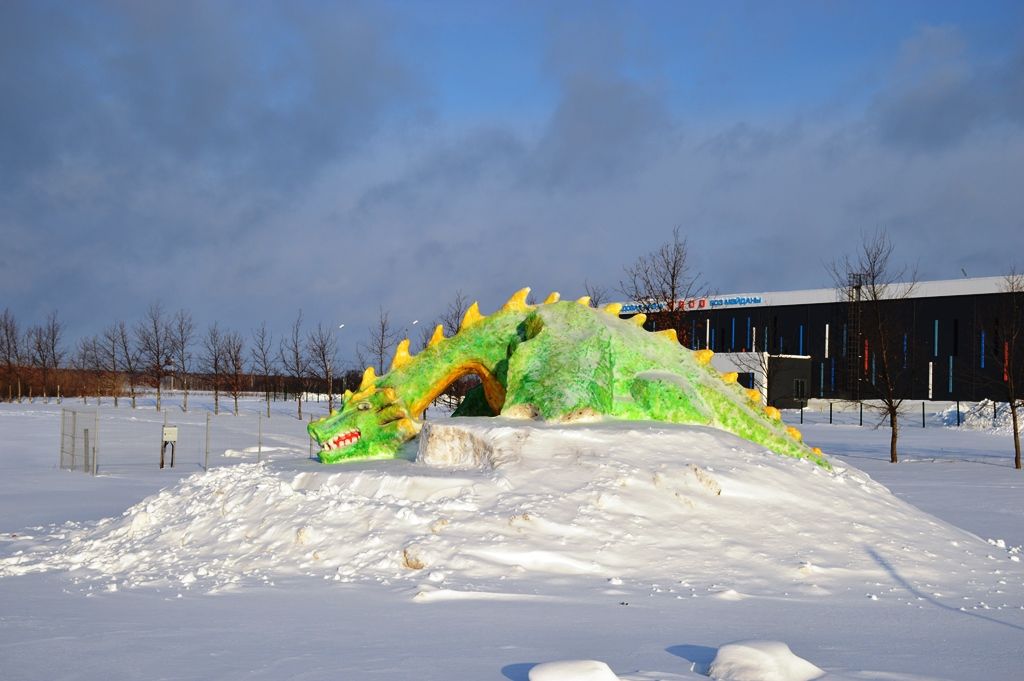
{"x":243,"y":160}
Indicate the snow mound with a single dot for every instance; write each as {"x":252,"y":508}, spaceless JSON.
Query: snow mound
{"x":499,"y":506}
{"x":986,"y":415}
{"x":761,"y":661}
{"x":572,"y":670}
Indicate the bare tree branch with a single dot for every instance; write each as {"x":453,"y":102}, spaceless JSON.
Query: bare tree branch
{"x":869,"y":282}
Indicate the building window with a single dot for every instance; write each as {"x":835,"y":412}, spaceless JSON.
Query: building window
{"x":799,"y":389}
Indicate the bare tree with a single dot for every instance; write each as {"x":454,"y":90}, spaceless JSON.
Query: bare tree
{"x":45,"y":347}
{"x":1006,"y":352}
{"x":11,"y":347}
{"x":110,"y":359}
{"x":234,"y":354}
{"x":129,"y":356}
{"x":153,"y":335}
{"x":88,"y":360}
{"x":182,"y":332}
{"x":263,"y":363}
{"x":659,"y":280}
{"x":323,"y":355}
{"x":452,"y":317}
{"x":213,"y":360}
{"x":598,"y":294}
{"x":870,"y":283}
{"x":294,"y":360}
{"x":378,"y":347}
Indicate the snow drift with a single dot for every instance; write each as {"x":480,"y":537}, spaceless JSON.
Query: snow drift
{"x":489,"y":503}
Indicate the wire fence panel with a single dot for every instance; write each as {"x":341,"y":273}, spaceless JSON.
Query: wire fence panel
{"x":79,"y":440}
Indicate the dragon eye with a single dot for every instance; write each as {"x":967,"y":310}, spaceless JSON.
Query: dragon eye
{"x":363,"y":406}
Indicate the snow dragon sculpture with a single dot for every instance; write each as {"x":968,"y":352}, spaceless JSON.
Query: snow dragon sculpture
{"x":559,"y":361}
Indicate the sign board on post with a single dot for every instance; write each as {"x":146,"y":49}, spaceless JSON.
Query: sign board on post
{"x":169,"y":437}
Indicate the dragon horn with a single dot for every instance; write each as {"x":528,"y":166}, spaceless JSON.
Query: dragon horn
{"x":402,"y":356}
{"x":638,"y":319}
{"x":584,"y":301}
{"x":553,"y":297}
{"x":437,"y":337}
{"x":704,"y":356}
{"x":518,"y":300}
{"x":670,"y":334}
{"x":472,"y":317}
{"x":369,"y":379}
{"x":613,"y":309}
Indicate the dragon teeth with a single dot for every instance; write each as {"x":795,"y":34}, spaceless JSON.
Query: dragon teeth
{"x":342,"y":440}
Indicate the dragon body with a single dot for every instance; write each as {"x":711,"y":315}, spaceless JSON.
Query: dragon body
{"x":557,"y":361}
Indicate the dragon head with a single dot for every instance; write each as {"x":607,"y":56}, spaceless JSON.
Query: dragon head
{"x":372,"y":423}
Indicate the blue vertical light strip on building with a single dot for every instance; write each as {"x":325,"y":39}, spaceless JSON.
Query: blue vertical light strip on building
{"x":749,"y":348}
{"x":904,"y":351}
{"x":712,"y":339}
{"x":732,"y":342}
{"x":951,"y":374}
{"x":873,"y":369}
{"x":693,"y":334}
{"x":832,"y":377}
{"x":780,"y":345}
{"x":821,"y":381}
{"x":801,"y":340}
{"x":935,"y":351}
{"x":844,"y":340}
{"x":983,"y":349}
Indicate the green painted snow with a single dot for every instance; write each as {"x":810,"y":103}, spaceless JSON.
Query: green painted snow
{"x":561,"y":361}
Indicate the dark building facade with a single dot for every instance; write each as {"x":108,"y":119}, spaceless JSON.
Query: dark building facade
{"x":948,"y":340}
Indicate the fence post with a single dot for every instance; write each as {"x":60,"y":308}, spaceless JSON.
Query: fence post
{"x":862,"y":413}
{"x":61,"y":452}
{"x":830,"y":413}
{"x":958,"y":413}
{"x":206,"y":456}
{"x":310,"y":439}
{"x":86,"y":463}
{"x":922,"y":413}
{"x":74,"y":436}
{"x":96,"y":442}
{"x":259,"y":441}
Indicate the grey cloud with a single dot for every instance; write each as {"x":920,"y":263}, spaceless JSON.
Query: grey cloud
{"x":266,"y":96}
{"x":936,"y":95}
{"x":603,"y":130}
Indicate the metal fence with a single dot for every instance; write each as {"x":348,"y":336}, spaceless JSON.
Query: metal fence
{"x":79,"y":440}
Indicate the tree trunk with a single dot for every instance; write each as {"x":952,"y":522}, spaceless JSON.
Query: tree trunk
{"x":894,"y":423}
{"x":1016,"y":434}
{"x":300,"y":405}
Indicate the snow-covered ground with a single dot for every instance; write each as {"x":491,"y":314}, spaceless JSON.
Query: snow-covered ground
{"x":509,"y":550}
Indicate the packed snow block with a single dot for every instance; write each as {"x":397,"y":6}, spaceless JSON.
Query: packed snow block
{"x":460,"y":444}
{"x":572,"y":670}
{"x":761,"y":661}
